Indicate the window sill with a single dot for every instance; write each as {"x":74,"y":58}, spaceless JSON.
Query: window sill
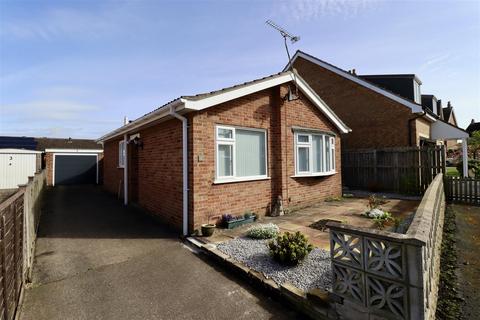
{"x":245,"y":179}
{"x":323,"y":174}
{"x":120,"y":167}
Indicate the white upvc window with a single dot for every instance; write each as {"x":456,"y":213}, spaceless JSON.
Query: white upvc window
{"x":121,"y":154}
{"x":241,"y":154}
{"x":314,"y":154}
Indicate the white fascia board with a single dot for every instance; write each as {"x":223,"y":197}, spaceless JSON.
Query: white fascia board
{"x":74,"y":150}
{"x":430,"y":117}
{"x":19,"y":151}
{"x":236,"y":93}
{"x":155,"y":115}
{"x":414,"y":107}
{"x":440,"y":130}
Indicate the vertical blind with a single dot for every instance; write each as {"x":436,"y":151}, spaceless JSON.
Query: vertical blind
{"x":250,"y":153}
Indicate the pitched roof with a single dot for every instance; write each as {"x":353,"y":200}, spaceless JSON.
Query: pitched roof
{"x":60,"y":143}
{"x":447,"y":111}
{"x":415,"y":107}
{"x":474,"y":126}
{"x":209,"y":99}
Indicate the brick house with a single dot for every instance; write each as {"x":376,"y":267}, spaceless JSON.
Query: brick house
{"x":228,"y":151}
{"x":382,"y":110}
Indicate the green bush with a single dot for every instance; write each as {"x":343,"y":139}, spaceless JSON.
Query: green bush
{"x":263,"y":231}
{"x":474,"y":165}
{"x":290,"y":248}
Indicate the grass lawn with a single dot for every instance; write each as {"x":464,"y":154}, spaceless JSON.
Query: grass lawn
{"x":452,"y":171}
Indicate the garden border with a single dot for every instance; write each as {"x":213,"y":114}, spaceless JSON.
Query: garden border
{"x":316,"y":304}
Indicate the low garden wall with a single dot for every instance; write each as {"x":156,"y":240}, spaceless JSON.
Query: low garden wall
{"x":386,"y":275}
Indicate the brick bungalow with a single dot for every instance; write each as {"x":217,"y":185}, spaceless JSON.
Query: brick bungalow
{"x":228,"y":151}
{"x":382,"y":110}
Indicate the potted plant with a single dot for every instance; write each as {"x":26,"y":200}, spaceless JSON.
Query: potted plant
{"x":229,"y":221}
{"x":208,"y":228}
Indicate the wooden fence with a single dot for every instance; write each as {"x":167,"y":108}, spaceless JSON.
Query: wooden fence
{"x":19,"y":216}
{"x":11,"y":247}
{"x":462,"y":190}
{"x":408,"y":170}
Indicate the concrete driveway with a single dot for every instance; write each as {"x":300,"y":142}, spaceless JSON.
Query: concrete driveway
{"x":96,"y":259}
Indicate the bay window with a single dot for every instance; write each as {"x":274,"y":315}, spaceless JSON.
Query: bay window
{"x":314,"y":154}
{"x":241,"y":154}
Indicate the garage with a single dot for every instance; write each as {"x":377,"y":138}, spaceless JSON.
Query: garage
{"x":75,"y":169}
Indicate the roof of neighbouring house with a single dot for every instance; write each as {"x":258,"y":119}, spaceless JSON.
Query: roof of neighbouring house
{"x":69,"y":143}
{"x":212,"y":98}
{"x":447,"y":111}
{"x":473,"y":126}
{"x":415,"y":107}
{"x":27,"y":143}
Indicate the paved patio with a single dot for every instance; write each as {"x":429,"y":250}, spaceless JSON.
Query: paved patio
{"x":346,"y":210}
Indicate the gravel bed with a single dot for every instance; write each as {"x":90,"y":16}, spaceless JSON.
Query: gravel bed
{"x":313,"y":272}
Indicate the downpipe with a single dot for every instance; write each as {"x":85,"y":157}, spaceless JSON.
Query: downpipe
{"x":185,"y":166}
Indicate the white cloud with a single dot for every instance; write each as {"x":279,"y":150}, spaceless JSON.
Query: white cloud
{"x":67,"y":22}
{"x":52,"y":110}
{"x":306,"y":10}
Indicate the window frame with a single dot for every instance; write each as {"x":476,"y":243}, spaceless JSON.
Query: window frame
{"x":297,"y":145}
{"x":121,"y":155}
{"x":232,"y":142}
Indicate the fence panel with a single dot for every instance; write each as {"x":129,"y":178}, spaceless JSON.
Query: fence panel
{"x":11,"y":235}
{"x":408,"y":170}
{"x":462,"y":190}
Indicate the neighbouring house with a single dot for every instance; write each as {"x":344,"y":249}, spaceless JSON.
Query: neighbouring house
{"x":67,"y":161}
{"x":473,"y":126}
{"x":382,"y":110}
{"x":228,"y":151}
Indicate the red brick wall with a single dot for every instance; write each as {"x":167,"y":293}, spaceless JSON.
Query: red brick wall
{"x":376,"y":121}
{"x":49,"y":167}
{"x":263,"y":110}
{"x":155,"y":171}
{"x":112,"y":174}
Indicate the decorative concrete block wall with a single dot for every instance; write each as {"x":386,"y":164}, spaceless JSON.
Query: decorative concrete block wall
{"x":386,"y":275}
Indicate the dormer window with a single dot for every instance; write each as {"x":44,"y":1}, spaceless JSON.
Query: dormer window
{"x":416,"y":92}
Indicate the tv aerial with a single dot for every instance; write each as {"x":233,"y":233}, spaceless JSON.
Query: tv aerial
{"x":287,"y":35}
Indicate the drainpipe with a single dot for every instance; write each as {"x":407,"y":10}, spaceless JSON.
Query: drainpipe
{"x":465,"y":157}
{"x":418,"y":115}
{"x":125,"y":171}
{"x":185,"y":166}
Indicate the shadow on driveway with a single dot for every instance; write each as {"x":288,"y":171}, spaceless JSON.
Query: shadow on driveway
{"x":96,"y":259}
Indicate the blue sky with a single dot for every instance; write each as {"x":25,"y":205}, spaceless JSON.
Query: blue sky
{"x":75,"y":68}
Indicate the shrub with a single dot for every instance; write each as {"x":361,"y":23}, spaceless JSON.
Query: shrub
{"x":473,"y":165}
{"x":263,"y":231}
{"x":248,"y":214}
{"x":374,"y":202}
{"x":290,"y":248}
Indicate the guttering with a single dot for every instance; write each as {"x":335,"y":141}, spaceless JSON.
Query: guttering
{"x":146,"y":119}
{"x":185,"y":166}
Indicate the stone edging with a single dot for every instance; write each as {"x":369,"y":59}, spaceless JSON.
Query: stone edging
{"x":316,"y":304}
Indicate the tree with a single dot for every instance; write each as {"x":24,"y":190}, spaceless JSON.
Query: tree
{"x":474,"y":144}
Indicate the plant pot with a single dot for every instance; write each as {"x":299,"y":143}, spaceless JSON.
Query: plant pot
{"x":207,"y":229}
